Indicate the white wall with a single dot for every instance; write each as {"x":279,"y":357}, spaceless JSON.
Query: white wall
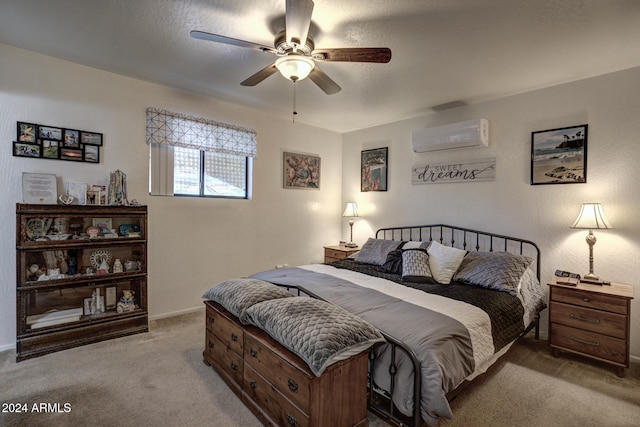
{"x":609,"y":104}
{"x":193,"y":243}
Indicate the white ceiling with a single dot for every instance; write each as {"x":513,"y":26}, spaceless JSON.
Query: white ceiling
{"x":445,"y":52}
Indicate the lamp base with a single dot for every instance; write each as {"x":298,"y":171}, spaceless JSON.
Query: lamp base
{"x":351,"y":245}
{"x":591,"y":278}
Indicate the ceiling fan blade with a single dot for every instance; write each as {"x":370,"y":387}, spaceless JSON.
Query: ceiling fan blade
{"x":298,"y":20}
{"x":355,"y":54}
{"x":201,"y":35}
{"x":323,"y":81}
{"x":260,"y":75}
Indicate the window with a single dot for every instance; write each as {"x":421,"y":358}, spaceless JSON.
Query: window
{"x":210,"y":174}
{"x":197,"y":157}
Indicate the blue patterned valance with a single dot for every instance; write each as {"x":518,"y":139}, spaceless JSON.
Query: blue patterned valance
{"x":165,"y":127}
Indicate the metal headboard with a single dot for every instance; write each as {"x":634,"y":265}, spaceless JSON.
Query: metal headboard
{"x":464,"y":238}
{"x":461,"y":238}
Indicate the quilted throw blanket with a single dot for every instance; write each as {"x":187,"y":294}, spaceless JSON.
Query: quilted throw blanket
{"x":452,"y":338}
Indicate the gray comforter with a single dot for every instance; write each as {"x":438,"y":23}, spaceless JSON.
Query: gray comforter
{"x":443,"y":344}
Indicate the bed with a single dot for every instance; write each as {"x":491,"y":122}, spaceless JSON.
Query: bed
{"x":449,"y":330}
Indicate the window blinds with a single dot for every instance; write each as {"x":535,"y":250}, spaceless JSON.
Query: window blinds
{"x":175,"y":129}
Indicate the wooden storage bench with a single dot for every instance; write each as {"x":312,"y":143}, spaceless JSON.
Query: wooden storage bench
{"x":278,"y":386}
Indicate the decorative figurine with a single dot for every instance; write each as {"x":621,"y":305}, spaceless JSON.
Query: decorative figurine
{"x":117,"y":266}
{"x":127,"y":302}
{"x":104,"y":267}
{"x":118,"y":188}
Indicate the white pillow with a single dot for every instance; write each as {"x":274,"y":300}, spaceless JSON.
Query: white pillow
{"x":444,"y":261}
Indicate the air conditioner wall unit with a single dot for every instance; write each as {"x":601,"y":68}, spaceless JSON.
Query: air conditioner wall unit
{"x":471,"y":133}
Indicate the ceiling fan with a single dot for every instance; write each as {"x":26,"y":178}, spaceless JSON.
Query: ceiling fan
{"x":296,"y":51}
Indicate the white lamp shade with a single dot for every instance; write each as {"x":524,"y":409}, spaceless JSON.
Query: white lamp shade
{"x":295,"y":67}
{"x":592,"y":217}
{"x":351,"y":210}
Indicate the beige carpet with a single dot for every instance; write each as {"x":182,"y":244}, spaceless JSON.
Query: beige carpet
{"x":158,"y":378}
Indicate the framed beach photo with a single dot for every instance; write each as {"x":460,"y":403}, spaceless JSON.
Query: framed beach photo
{"x":559,"y":156}
{"x":91,"y":153}
{"x":49,"y":132}
{"x":71,"y":154}
{"x":71,"y":138}
{"x":373,"y":169}
{"x":92,"y":138}
{"x":301,"y":171}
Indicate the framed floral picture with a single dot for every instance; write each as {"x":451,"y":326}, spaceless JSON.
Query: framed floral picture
{"x":559,"y":156}
{"x":301,"y":171}
{"x":373,"y":169}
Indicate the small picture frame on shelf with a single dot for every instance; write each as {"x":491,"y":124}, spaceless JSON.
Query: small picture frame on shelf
{"x":92,"y":138}
{"x":103,"y":192}
{"x":72,"y":138}
{"x":93,"y":198}
{"x":50,"y":132}
{"x":104,"y":224}
{"x":21,"y":149}
{"x":27,"y":132}
{"x":110,"y":297}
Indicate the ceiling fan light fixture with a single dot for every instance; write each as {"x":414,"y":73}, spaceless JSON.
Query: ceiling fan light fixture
{"x":295,"y":67}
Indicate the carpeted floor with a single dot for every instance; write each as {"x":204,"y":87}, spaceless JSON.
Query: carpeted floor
{"x":158,"y":378}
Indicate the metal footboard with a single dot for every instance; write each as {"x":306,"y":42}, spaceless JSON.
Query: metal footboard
{"x":380,"y":401}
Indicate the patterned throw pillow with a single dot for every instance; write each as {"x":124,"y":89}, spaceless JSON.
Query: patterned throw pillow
{"x":415,"y":266}
{"x":494,"y":270}
{"x":237,"y":295}
{"x":444,"y":261}
{"x":319,"y":332}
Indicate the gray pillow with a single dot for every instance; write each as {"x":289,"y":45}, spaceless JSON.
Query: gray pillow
{"x":319,"y":332}
{"x":375,"y":251}
{"x":237,"y":295}
{"x":501,"y":271}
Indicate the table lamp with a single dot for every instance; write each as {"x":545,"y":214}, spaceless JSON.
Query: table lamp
{"x":591,"y":216}
{"x":351,"y":211}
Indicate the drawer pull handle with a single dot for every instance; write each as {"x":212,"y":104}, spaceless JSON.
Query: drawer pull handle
{"x":234,"y":366}
{"x":292,"y":385}
{"x":211,"y":319}
{"x":252,"y":352}
{"x":253,"y":384}
{"x":292,"y":421}
{"x":210,"y":344}
{"x":584,"y":319}
{"x":586,"y":299}
{"x":593,"y":343}
{"x":234,"y":337}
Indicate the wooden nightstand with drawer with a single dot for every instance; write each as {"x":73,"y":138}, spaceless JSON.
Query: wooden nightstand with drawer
{"x":591,"y":320}
{"x":336,"y":253}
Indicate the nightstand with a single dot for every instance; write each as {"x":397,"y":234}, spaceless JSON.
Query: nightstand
{"x":335,"y":253}
{"x":591,"y":320}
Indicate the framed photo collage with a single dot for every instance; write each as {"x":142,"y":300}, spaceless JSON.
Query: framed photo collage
{"x":49,"y":142}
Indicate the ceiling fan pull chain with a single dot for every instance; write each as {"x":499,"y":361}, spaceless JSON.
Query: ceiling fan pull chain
{"x":294,"y":100}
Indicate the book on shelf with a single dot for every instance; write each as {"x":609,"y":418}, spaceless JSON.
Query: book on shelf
{"x":568,"y":281}
{"x":54,"y":317}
